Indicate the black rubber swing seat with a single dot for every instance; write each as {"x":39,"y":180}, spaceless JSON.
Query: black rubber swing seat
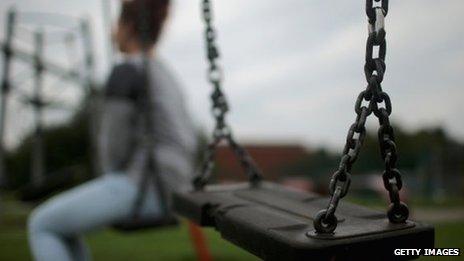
{"x":276,"y":223}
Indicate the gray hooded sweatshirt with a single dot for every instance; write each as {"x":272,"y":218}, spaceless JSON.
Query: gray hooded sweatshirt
{"x":122,"y":130}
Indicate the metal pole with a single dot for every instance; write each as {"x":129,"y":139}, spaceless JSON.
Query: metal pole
{"x":38,"y":146}
{"x":94,"y":98}
{"x":5,"y":89}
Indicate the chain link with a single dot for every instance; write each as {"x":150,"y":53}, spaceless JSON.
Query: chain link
{"x":374,"y":69}
{"x":220,"y":107}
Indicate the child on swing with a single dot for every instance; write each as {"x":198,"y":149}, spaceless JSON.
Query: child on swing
{"x":57,"y":226}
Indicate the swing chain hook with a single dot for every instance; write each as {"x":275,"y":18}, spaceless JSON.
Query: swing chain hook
{"x":220,"y":107}
{"x":372,"y":97}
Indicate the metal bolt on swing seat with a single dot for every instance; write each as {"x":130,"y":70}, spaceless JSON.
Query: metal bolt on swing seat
{"x":398,"y":213}
{"x":323,"y":223}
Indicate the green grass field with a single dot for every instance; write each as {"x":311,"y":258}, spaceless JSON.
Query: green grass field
{"x":161,"y":244}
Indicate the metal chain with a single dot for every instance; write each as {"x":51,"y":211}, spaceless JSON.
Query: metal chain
{"x":222,"y":131}
{"x":372,"y":97}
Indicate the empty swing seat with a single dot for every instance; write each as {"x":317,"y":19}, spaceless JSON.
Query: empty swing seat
{"x":276,"y":223}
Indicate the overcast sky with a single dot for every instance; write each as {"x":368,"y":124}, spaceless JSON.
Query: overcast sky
{"x":294,"y":68}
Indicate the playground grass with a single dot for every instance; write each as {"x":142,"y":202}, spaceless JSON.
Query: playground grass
{"x":160,"y":244}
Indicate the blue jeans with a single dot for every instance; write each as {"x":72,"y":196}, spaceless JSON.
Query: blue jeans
{"x":56,"y":227}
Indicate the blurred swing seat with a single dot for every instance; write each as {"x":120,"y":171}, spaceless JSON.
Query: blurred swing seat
{"x":134,"y":225}
{"x":276,"y":223}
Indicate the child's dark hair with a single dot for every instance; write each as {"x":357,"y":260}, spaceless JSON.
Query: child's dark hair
{"x":154,"y":12}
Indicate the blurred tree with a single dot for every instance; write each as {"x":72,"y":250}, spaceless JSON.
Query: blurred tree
{"x":429,"y":156}
{"x":67,"y":158}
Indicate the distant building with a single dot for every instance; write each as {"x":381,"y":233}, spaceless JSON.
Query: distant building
{"x":273,"y":159}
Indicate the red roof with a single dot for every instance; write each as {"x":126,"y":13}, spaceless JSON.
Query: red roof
{"x":272,"y":160}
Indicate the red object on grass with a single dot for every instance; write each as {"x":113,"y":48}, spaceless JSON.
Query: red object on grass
{"x":199,"y":242}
